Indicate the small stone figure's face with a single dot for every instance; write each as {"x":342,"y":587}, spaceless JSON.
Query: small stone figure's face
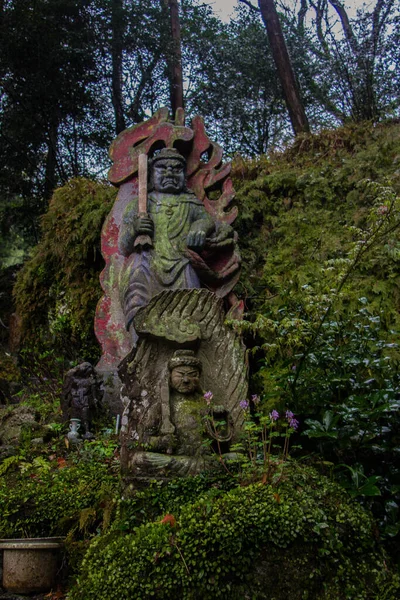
{"x":169,"y":176}
{"x":185,"y":379}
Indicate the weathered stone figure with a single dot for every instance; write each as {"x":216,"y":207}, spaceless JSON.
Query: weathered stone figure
{"x":186,"y":218}
{"x":169,"y":427}
{"x":81,"y":395}
{"x":185,"y":407}
{"x":171,"y":264}
{"x":173,"y":427}
{"x":192,"y":419}
{"x":176,"y":221}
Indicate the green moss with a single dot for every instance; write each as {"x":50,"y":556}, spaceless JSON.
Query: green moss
{"x":297,"y":211}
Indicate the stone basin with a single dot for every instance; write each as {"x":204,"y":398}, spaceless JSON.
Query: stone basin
{"x":31,"y":564}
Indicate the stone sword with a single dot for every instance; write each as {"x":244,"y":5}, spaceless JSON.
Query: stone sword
{"x":142,"y":240}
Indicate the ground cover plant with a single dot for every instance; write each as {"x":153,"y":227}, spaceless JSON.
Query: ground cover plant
{"x":50,"y":492}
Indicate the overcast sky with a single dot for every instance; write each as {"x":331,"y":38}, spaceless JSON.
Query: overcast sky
{"x":224,"y":8}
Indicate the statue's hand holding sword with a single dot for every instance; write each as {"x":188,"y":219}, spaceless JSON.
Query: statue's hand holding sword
{"x":146,"y":226}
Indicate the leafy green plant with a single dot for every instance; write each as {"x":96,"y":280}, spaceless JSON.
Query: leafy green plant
{"x":361,"y":485}
{"x":261,"y":455}
{"x":45,"y":496}
{"x":256,"y":454}
{"x":327,"y":428}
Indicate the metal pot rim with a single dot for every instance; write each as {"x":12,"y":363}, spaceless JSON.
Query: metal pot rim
{"x":31,"y":543}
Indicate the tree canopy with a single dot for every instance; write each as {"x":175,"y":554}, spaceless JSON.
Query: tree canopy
{"x":73,"y":75}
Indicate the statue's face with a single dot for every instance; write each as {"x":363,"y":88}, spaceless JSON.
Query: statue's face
{"x":169,"y":176}
{"x":185,"y":379}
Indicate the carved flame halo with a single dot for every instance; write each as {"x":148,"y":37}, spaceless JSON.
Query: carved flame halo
{"x":203,"y":177}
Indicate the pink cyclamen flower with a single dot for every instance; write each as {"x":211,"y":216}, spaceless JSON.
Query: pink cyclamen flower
{"x":244,"y":404}
{"x":274,"y":415}
{"x":289,"y":415}
{"x":208,"y":396}
{"x":255,"y":399}
{"x":294,"y":423}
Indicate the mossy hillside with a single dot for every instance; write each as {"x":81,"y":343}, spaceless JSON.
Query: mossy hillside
{"x":300,"y":537}
{"x":57,"y":289}
{"x":298,"y":210}
{"x":296,"y":213}
{"x":319,"y":230}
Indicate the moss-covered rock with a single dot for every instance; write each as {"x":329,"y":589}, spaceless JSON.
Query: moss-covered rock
{"x":299,"y":538}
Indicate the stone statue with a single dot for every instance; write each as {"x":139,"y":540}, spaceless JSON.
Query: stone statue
{"x":187,"y":222}
{"x":169,"y":428}
{"x":187,"y":404}
{"x":176,"y":221}
{"x":81,"y":395}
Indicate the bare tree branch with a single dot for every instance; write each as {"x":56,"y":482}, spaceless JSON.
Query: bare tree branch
{"x":284,"y":67}
{"x":301,"y":15}
{"x":117,"y":25}
{"x":378,"y":23}
{"x":346,"y":26}
{"x":134,"y":109}
{"x":174,"y":56}
{"x":319,"y":14}
{"x":250,"y":5}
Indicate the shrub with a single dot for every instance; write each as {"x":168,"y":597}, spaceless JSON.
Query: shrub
{"x":303,"y":538}
{"x":46,"y":496}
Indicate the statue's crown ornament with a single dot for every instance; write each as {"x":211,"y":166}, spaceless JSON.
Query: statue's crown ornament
{"x":184,"y":358}
{"x":168,"y":154}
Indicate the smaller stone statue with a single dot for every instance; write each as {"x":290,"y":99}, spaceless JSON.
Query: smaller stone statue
{"x":81,"y":395}
{"x":73,"y":434}
{"x":182,"y":413}
{"x":178,"y":433}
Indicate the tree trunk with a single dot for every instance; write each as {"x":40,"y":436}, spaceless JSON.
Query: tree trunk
{"x":175,"y":57}
{"x":51,"y":161}
{"x":117,"y":26}
{"x":281,"y":58}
